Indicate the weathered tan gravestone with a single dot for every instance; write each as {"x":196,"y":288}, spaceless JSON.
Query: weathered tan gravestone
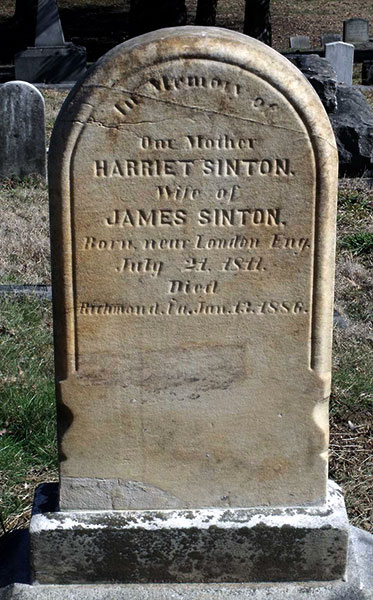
{"x":197,"y":221}
{"x":193,"y":186}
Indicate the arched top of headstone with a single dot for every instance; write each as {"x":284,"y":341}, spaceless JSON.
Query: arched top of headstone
{"x":199,"y":43}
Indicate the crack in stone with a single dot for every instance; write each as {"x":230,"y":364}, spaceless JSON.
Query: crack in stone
{"x":198,"y":108}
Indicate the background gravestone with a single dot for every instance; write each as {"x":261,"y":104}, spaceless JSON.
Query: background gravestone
{"x":48,"y":58}
{"x":341,"y":57}
{"x":300,"y":41}
{"x":328,"y":38}
{"x":22,"y":130}
{"x":356,"y":30}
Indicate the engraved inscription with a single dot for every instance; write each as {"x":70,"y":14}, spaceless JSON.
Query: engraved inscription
{"x":166,"y":83}
{"x":198,"y":184}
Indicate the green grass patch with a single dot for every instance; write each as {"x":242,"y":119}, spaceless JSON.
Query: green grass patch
{"x":352,"y":374}
{"x":357,"y":243}
{"x":27,"y":407}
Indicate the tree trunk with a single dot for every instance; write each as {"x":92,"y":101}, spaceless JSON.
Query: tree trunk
{"x":258,"y":20}
{"x":206,"y":12}
{"x":148,"y":15}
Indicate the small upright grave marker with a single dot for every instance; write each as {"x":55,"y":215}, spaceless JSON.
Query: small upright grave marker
{"x":192,"y":216}
{"x":328,"y":38}
{"x":356,"y":30}
{"x":341,"y":57}
{"x":301,"y":42}
{"x":22,"y":130}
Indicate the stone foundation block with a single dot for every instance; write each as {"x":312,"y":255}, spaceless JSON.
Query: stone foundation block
{"x":51,"y":64}
{"x":183,"y":546}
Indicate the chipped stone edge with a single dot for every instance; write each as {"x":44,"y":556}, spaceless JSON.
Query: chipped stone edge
{"x":331,"y":514}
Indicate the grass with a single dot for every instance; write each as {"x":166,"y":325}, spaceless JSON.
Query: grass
{"x":27,"y":413}
{"x":24,"y":230}
{"x":53,"y":101}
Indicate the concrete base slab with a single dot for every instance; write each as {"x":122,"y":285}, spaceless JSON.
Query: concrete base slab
{"x":51,"y":64}
{"x":189,"y":546}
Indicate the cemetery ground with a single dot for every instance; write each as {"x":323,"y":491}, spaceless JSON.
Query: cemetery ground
{"x":106,"y":24}
{"x":27,"y":413}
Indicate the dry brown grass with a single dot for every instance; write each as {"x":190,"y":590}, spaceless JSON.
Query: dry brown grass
{"x":25,"y":492}
{"x":24,"y":231}
{"x":53,"y":102}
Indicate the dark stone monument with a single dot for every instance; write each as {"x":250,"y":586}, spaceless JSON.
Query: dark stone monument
{"x":48,"y":58}
{"x":257,"y":21}
{"x":147,"y":15}
{"x":352,"y":123}
{"x":321,"y":76}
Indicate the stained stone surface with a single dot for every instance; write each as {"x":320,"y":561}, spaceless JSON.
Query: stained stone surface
{"x":193,"y":185}
{"x":183,"y":546}
{"x":22,"y":130}
{"x":356,"y":30}
{"x":300,"y":41}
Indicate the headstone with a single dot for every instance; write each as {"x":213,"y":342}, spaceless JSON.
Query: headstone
{"x":48,"y":25}
{"x":367,"y":72}
{"x":356,"y":30}
{"x":257,"y":20}
{"x":300,"y":42}
{"x":328,"y":38}
{"x":193,"y":180}
{"x":341,"y":57}
{"x":50,"y":59}
{"x":22,"y":130}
